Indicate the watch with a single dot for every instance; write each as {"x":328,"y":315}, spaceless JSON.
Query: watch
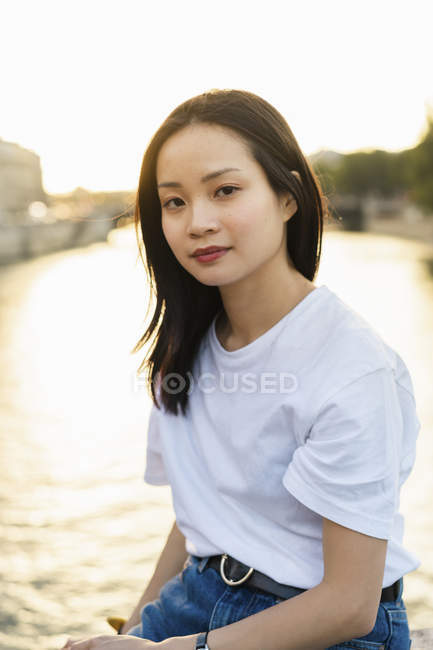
{"x":201,"y":643}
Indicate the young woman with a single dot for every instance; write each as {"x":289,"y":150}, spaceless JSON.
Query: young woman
{"x":283,"y":423}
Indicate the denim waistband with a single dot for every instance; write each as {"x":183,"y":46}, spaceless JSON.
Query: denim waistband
{"x":203,"y":564}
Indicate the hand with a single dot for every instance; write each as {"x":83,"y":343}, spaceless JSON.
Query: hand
{"x":110,"y":642}
{"x":69,"y":642}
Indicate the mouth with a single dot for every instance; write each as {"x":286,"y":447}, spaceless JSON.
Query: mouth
{"x":210,"y":256}
{"x":209,"y":251}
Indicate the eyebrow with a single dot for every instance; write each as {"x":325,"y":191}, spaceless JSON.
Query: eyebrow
{"x":206,"y":178}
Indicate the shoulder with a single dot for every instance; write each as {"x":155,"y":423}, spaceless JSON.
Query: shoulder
{"x":351,"y":341}
{"x":335,"y":346}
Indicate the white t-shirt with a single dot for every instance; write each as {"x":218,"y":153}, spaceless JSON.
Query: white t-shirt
{"x":316,"y":417}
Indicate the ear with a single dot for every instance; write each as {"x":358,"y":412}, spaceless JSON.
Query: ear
{"x":290,"y":208}
{"x":290,"y":205}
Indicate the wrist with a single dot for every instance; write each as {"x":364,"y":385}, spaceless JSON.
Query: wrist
{"x":179,"y":643}
{"x":201,"y":642}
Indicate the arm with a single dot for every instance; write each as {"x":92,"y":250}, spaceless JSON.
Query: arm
{"x":342,"y":607}
{"x":170,"y":563}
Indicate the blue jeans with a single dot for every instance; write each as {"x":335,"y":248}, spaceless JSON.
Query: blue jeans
{"x":196,"y":600}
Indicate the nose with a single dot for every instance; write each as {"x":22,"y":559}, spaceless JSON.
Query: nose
{"x":202,"y":219}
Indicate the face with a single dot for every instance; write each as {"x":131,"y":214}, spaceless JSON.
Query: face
{"x":202,"y":205}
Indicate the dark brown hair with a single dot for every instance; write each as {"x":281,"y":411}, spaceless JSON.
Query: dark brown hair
{"x":184,"y":307}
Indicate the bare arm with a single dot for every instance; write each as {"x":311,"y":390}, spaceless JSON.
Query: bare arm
{"x":342,"y":607}
{"x":169,"y":564}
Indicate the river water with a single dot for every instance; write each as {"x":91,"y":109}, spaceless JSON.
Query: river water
{"x":80,"y":531}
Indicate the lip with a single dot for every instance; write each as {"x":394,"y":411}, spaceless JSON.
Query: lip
{"x":210,"y":257}
{"x":208,"y":250}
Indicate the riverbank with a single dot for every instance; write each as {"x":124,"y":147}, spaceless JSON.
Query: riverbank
{"x":399,"y":226}
{"x":25,"y":241}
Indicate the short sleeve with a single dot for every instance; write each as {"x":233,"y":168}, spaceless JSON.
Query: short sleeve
{"x":348,"y":468}
{"x":155,"y":473}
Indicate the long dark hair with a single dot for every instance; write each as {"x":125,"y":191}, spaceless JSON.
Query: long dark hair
{"x":185,"y":307}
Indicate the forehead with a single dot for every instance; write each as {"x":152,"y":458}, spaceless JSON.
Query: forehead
{"x":199,"y":146}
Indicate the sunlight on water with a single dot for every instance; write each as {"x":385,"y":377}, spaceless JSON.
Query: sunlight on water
{"x":80,"y":529}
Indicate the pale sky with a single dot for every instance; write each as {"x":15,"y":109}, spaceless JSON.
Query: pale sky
{"x":85,"y":83}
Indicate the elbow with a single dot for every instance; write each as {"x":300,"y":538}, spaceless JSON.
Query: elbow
{"x":362,"y":629}
{"x":361,"y":622}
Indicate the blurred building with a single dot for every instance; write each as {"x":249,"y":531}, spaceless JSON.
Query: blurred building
{"x":20,"y":182}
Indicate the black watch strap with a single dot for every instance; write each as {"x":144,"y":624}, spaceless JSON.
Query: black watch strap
{"x":201,"y":643}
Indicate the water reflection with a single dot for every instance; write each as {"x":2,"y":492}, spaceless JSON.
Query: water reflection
{"x":80,"y":530}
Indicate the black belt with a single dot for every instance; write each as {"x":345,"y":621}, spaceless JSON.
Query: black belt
{"x":235,"y":573}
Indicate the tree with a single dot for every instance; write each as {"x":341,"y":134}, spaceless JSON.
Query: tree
{"x":419,"y":168}
{"x":384,"y":173}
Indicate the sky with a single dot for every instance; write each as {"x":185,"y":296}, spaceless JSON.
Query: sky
{"x":85,"y":84}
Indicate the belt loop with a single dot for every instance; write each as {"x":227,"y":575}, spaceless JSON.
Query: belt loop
{"x":202,"y":564}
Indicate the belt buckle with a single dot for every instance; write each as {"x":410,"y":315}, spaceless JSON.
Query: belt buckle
{"x":228,"y":581}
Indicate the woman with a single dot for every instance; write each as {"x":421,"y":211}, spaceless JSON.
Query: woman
{"x":283,"y":423}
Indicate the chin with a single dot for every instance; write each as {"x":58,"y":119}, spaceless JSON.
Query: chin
{"x":209,"y":283}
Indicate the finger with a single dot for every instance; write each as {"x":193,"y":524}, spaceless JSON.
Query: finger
{"x":70,"y":641}
{"x":93,"y":643}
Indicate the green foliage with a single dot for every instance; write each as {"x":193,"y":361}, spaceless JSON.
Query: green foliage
{"x":419,"y":169}
{"x":383,"y":173}
{"x":378,"y":172}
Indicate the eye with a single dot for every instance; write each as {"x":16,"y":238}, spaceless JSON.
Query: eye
{"x":165,"y":205}
{"x":227,"y":187}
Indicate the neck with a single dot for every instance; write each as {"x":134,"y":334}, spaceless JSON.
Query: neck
{"x":255,"y":306}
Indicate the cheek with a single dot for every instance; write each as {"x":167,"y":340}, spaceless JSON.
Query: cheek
{"x":255,"y":223}
{"x":245,"y":221}
{"x":165,"y":230}
{"x":176,"y":240}
{"x":169,"y":233}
